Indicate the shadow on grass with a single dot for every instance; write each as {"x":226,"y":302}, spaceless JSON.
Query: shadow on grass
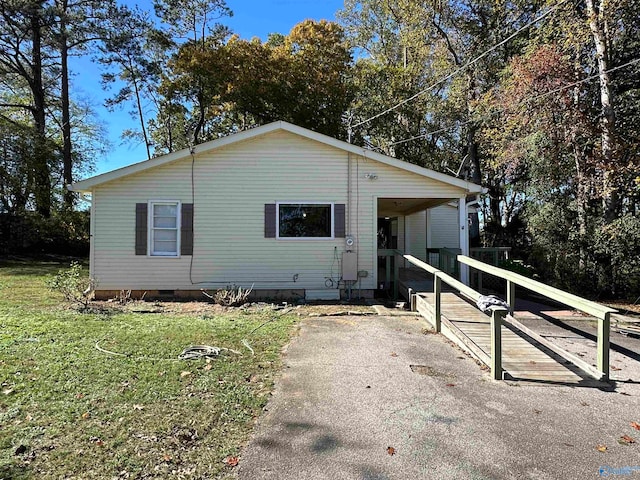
{"x":15,"y":472}
{"x":20,"y":266}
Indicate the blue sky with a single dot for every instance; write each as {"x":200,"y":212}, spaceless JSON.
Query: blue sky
{"x":251,"y":18}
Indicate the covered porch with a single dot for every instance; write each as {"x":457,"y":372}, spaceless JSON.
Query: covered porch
{"x":418,"y":227}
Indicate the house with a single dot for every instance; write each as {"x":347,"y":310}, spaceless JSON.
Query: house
{"x":291,"y":212}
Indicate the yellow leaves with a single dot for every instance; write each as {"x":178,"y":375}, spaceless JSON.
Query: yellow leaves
{"x":185,"y":373}
{"x":86,"y":416}
{"x":601,"y":448}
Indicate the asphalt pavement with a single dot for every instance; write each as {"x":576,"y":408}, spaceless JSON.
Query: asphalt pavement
{"x":376,"y":398}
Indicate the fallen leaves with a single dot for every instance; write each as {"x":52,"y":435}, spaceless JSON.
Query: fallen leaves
{"x":626,"y":440}
{"x":185,"y":373}
{"x":601,"y":448}
{"x":231,"y":461}
{"x":451,"y":385}
{"x":137,"y":406}
{"x":394,"y":354}
{"x":391,"y":451}
{"x":635,"y":425}
{"x":86,"y":415}
{"x":96,"y":441}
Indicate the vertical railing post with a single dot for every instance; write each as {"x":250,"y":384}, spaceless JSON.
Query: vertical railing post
{"x":387,"y":269}
{"x":604,"y":329}
{"x":437,"y":312}
{"x":412,"y":299}
{"x":496,"y":343}
{"x":396,"y":276}
{"x":511,"y":296}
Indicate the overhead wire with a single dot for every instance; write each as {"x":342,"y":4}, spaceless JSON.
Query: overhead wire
{"x":463,"y":67}
{"x":524,"y":101}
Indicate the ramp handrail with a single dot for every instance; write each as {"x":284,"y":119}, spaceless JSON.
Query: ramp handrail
{"x":601,"y":312}
{"x":497,"y":313}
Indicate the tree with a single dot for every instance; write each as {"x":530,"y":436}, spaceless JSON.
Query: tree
{"x":22,"y":62}
{"x":133,"y":52}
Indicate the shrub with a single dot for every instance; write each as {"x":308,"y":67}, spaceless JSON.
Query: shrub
{"x":74,"y":285}
{"x":230,"y":296}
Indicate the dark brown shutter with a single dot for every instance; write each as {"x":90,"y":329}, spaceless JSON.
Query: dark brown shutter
{"x":186,"y":229}
{"x":141,"y":228}
{"x":270,"y":220}
{"x":338,"y":220}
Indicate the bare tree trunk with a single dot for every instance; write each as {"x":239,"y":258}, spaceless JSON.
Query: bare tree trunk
{"x":139,"y":106}
{"x":40,"y":165}
{"x":596,"y":25}
{"x":472,"y":142}
{"x":67,"y":158}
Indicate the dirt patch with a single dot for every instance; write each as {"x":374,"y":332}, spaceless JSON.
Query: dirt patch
{"x":206,"y":308}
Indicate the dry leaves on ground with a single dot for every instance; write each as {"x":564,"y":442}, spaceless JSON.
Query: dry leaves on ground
{"x":626,"y":440}
{"x":231,"y":461}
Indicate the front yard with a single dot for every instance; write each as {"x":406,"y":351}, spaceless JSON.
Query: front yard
{"x":104,"y":395}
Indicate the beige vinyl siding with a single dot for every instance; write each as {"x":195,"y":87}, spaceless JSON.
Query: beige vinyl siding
{"x":232,"y":184}
{"x":416,"y":228}
{"x":443,"y":227}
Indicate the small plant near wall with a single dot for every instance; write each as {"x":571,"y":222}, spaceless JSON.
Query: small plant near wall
{"x":74,"y":285}
{"x":230,"y":296}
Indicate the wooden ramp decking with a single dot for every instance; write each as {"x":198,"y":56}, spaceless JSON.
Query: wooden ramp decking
{"x":522,"y":358}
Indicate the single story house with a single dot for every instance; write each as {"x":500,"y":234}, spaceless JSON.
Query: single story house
{"x":289,"y":211}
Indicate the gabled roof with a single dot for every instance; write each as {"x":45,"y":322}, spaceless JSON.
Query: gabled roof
{"x":89,"y":183}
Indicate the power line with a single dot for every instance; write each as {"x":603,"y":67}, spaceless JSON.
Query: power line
{"x":526,"y":100}
{"x":465,"y":66}
{"x":428,"y":134}
{"x":586,"y":79}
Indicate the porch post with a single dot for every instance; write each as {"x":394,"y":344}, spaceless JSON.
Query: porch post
{"x":463,"y":224}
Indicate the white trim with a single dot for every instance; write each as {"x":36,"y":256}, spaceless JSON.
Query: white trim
{"x":151,"y":228}
{"x":375,"y":242}
{"x":92,"y":243}
{"x":463,"y":228}
{"x":333,"y":221}
{"x":86,"y":185}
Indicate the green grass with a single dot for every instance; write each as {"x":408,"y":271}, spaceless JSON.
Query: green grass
{"x":68,"y":410}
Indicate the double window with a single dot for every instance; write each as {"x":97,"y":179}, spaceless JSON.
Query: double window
{"x":305,"y":220}
{"x":164,"y":231}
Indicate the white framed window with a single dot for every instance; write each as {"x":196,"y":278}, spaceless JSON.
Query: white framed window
{"x":164,"y":228}
{"x":305,"y":220}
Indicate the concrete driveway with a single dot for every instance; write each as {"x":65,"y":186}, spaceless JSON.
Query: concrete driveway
{"x":349,"y":392}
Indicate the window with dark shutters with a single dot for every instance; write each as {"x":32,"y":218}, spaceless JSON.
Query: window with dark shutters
{"x":160,"y":235}
{"x":308,"y":220}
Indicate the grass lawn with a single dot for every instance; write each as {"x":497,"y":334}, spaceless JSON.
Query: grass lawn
{"x":68,"y":410}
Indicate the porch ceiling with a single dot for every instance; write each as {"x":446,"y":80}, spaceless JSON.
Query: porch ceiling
{"x":393,"y":207}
